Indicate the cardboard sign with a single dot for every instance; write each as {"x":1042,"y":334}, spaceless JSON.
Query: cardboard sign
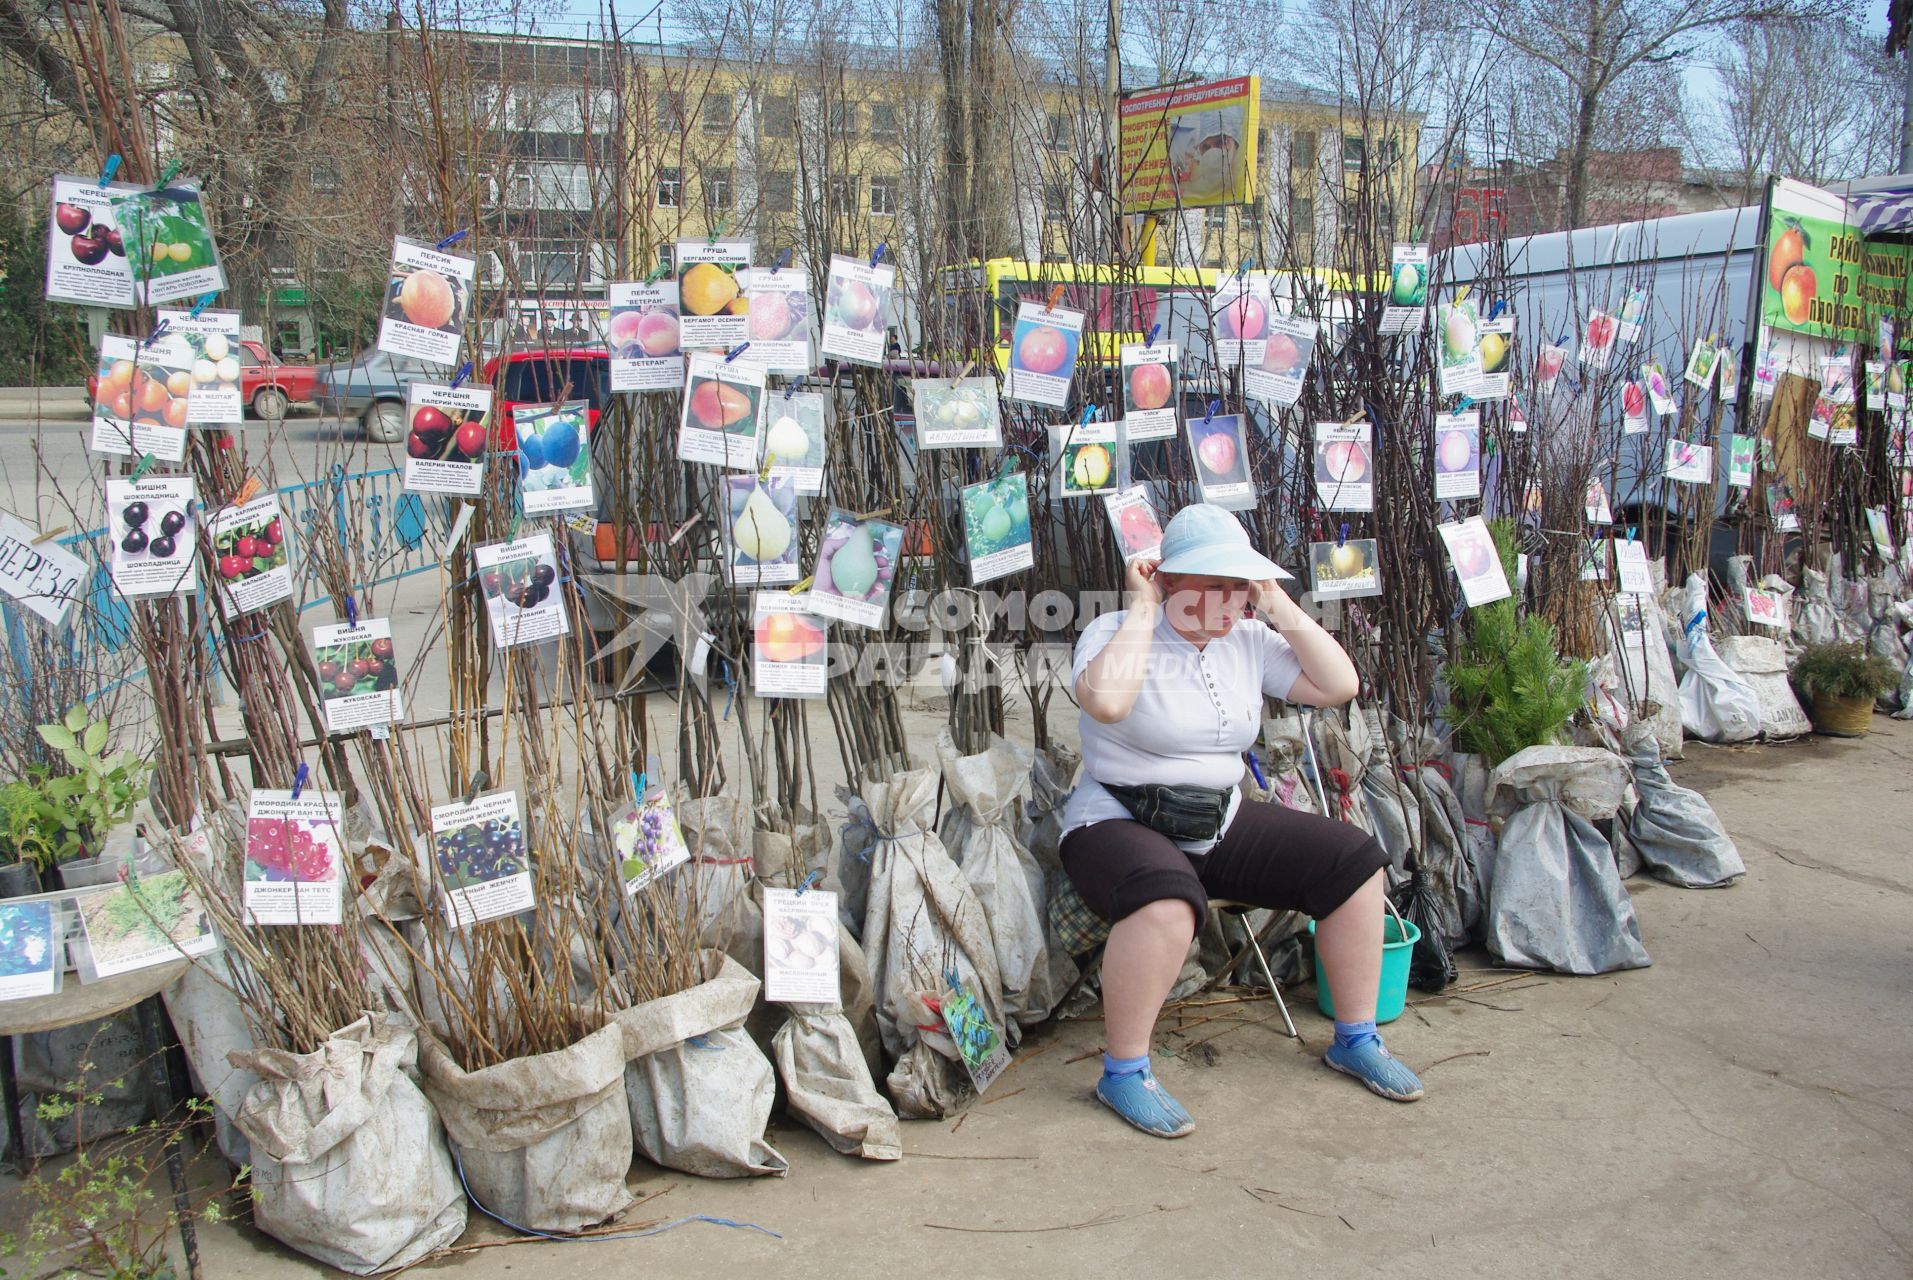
{"x":43,"y":576}
{"x":801,"y":955}
{"x":295,"y":858}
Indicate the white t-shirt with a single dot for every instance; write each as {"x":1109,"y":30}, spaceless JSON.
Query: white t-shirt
{"x":1198,"y":711}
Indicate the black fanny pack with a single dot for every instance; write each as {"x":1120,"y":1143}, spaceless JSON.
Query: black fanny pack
{"x":1181,"y":813}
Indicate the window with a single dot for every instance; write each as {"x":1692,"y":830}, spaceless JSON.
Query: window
{"x":777,"y":191}
{"x":669,"y":115}
{"x":883,"y":197}
{"x":1354,"y":151}
{"x":524,"y":191}
{"x":1056,"y":133}
{"x":1215,"y":218}
{"x":1304,"y":149}
{"x":843,"y":195}
{"x":247,"y":360}
{"x":1387,"y":151}
{"x":843,"y":118}
{"x":670,"y":188}
{"x":780,"y":118}
{"x":1385,"y":216}
{"x":883,"y":122}
{"x":717,"y":113}
{"x":1055,"y":201}
{"x":717,"y":188}
{"x":1301,"y":215}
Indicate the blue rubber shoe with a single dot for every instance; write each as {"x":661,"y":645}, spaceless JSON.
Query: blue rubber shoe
{"x":1137,"y":1098}
{"x":1375,"y":1067}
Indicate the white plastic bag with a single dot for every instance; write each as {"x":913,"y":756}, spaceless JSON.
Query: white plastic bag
{"x":1717,"y":703}
{"x":698,"y":1087}
{"x":1762,"y":662}
{"x":1674,"y":829}
{"x":1558,"y":901}
{"x":349,"y":1160}
{"x":828,"y":1086}
{"x":545,"y":1140}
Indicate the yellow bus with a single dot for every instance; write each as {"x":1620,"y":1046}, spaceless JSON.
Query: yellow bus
{"x":1119,"y":303}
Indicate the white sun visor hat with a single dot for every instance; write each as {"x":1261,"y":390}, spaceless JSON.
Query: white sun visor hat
{"x":1205,"y":540}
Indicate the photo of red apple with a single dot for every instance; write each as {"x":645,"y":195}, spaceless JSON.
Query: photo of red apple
{"x":1149,"y":386}
{"x":1633,"y":400}
{"x":1218,"y":452}
{"x":1283,"y":356}
{"x":1042,"y":349}
{"x":1140,"y":528}
{"x":1473,"y":557}
{"x":1344,"y":461}
{"x":1600,"y":330}
{"x":717,"y":405}
{"x":1244,"y":318}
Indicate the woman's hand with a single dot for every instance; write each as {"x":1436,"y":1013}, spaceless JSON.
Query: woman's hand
{"x":1273,"y":603}
{"x":1139,"y":579}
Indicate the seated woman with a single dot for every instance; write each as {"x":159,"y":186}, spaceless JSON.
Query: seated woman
{"x":1171,"y":692}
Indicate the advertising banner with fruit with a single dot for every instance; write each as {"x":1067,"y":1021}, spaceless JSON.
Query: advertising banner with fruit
{"x":856,"y":309}
{"x":169,"y":243}
{"x":802,"y":962}
{"x":212,"y":393}
{"x":1043,"y":354}
{"x":723,"y":401}
{"x":643,"y":336}
{"x":788,"y":657}
{"x":43,"y":576}
{"x":1821,"y":277}
{"x":1219,"y":451}
{"x":1689,"y":463}
{"x":647,"y":841}
{"x":1241,"y":309}
{"x":795,"y":441}
{"x":760,"y":533}
{"x":142,"y":400}
{"x":425,"y":302}
{"x":1149,"y":390}
{"x":154,"y":544}
{"x":295,"y":858}
{"x":249,"y":549}
{"x":711,"y":299}
{"x":520,"y":582}
{"x":1277,"y":380}
{"x":1189,"y":147}
{"x":1407,"y":304}
{"x":445,"y":438}
{"x":554,"y":457}
{"x":1459,"y":324}
{"x":1471,"y":549}
{"x":1345,"y":570}
{"x":1457,"y":455}
{"x":86,"y":251}
{"x":358,"y":674}
{"x":996,"y":527}
{"x":1740,"y":461}
{"x":479,"y":859}
{"x":1133,"y":520}
{"x":956,"y":413}
{"x":1495,"y":347}
{"x":778,"y":322}
{"x":1344,"y":470}
{"x":1092,"y":460}
{"x":855,"y":568}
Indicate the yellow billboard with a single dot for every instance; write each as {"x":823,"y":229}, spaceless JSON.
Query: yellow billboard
{"x":1189,"y":146}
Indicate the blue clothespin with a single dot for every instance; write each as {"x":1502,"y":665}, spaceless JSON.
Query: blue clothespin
{"x":1150,"y":341}
{"x":1089,"y":415}
{"x":1341,"y":539}
{"x":1255,"y":767}
{"x":1467,"y":403}
{"x":112,"y":167}
{"x":1630,"y":533}
{"x":1248,"y":265}
{"x":735,"y":352}
{"x":351,"y":613}
{"x":299,"y":780}
{"x":877,"y":257}
{"x":480,"y":781}
{"x":1209,"y":416}
{"x":145,"y":464}
{"x":811,"y":877}
{"x":172,"y":171}
{"x":783,"y":260}
{"x":1562,"y":341}
{"x":725,"y":667}
{"x":451,"y":240}
{"x":464,"y":372}
{"x":637,"y":786}
{"x":205,"y":300}
{"x":159,"y":331}
{"x":1496,"y":309}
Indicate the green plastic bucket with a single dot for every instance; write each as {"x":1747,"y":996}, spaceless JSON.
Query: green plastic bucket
{"x":1398,"y":943}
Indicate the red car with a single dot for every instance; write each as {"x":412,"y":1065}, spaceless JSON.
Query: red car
{"x":266,"y":385}
{"x":547,"y":377}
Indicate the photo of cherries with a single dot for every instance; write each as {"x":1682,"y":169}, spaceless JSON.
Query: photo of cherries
{"x":90,"y":239}
{"x":251,"y":550}
{"x":359,"y":666}
{"x":446,"y":436}
{"x":523,"y":584}
{"x":143,"y":535}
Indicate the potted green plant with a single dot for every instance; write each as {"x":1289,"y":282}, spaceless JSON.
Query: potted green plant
{"x":1508,"y":686}
{"x":76,"y":810}
{"x":22,"y":848}
{"x":1839,"y":683}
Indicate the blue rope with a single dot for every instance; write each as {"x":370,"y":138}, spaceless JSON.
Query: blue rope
{"x":612,"y":1235}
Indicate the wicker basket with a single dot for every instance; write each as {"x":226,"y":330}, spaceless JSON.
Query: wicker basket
{"x":1838,"y":717}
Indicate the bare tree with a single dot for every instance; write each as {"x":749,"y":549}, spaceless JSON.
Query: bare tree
{"x":1589,"y":48}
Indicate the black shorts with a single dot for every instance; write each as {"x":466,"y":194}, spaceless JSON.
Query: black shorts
{"x":1271,"y":856}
